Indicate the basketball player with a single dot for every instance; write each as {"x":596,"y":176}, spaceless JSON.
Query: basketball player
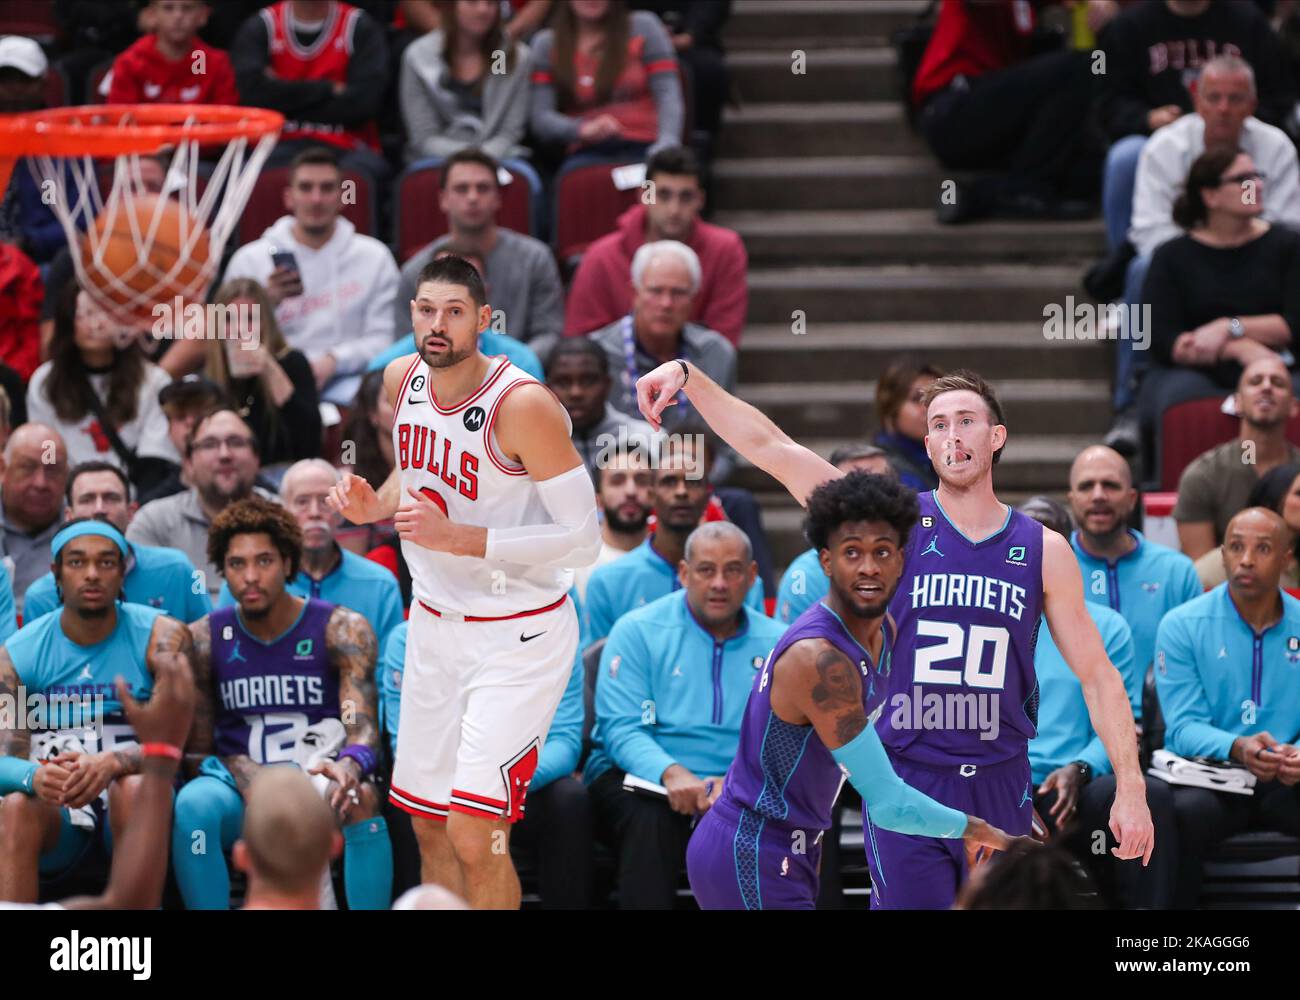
{"x":759,"y":847}
{"x":281,"y":680}
{"x":977,"y":577}
{"x":494,"y":507}
{"x":53,"y":780}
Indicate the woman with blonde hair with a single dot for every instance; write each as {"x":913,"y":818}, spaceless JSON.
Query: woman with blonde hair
{"x":270,"y":384}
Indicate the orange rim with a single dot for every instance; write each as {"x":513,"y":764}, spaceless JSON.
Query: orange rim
{"x":98,"y":130}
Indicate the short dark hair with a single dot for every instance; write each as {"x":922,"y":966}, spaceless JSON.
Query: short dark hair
{"x":455,"y":270}
{"x":1206,"y":171}
{"x":679,"y":161}
{"x":1049,"y":513}
{"x":856,"y":451}
{"x":255,"y":516}
{"x":860,"y":496}
{"x":469,"y":154}
{"x":95,"y":465}
{"x":207,"y":414}
{"x":1029,"y":877}
{"x":314,"y":156}
{"x":580,"y":346}
{"x":965,"y":380}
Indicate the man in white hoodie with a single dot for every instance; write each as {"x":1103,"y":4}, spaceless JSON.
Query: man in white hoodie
{"x":334,"y":301}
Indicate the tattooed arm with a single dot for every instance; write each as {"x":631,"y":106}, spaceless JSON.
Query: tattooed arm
{"x":813,"y":683}
{"x":353,"y":651}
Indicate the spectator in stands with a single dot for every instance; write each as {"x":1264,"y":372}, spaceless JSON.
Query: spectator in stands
{"x":665,"y":283}
{"x":1028,"y":878}
{"x":270,"y":383}
{"x":680,"y":494}
{"x":1154,"y":54}
{"x":92,"y":32}
{"x":805,"y":582}
{"x":1224,"y":107}
{"x":1277,"y":490}
{"x":100,"y":394}
{"x":605,"y":82}
{"x":985,"y":102}
{"x":1224,"y":295}
{"x":557,"y":825}
{"x":1074,"y":780}
{"x":323,"y":64}
{"x":369,"y":428}
{"x":183,"y":402}
{"x":902,"y":420}
{"x":328,"y":571}
{"x":659,"y":656}
{"x":1216,"y":706}
{"x":696,"y":33}
{"x":526,"y":289}
{"x":26,"y":220}
{"x":490,"y":342}
{"x":464,"y":85}
{"x":1218,"y":483}
{"x":1122,"y":569}
{"x":526,"y":17}
{"x":221,"y":462}
{"x":158,"y":577}
{"x":171,"y":64}
{"x":577,"y":371}
{"x":31,"y":502}
{"x":336,"y":305}
{"x":623,"y":485}
{"x":600,"y":293}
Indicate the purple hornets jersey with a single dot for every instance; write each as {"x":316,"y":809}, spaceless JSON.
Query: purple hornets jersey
{"x":783,"y":774}
{"x":270,"y":692}
{"x":963,"y":689}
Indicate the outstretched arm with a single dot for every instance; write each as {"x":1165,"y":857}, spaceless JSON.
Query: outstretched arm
{"x":741,"y":425}
{"x":1103,"y":689}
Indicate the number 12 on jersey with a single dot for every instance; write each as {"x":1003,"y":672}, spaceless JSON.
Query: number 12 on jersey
{"x":956,"y":640}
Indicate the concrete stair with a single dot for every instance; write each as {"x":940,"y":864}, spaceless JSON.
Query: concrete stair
{"x":834,"y":196}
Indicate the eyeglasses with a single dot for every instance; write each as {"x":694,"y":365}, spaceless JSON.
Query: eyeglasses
{"x":232,"y":443}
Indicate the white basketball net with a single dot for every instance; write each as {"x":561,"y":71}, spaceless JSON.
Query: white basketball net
{"x":71,"y":186}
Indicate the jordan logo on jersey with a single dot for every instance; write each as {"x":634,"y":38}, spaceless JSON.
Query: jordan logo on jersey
{"x":417,"y":448}
{"x":932,"y":547}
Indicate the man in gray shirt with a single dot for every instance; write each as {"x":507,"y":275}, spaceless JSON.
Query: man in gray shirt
{"x":665,"y":280}
{"x":221,"y":461}
{"x":35,"y":476}
{"x":527,"y":297}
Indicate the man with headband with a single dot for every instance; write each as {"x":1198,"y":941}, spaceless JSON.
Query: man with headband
{"x":68,"y":754}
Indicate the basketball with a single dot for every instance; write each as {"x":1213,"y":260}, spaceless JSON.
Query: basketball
{"x":145,"y":251}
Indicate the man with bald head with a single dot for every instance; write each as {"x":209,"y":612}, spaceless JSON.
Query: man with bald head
{"x":289,"y":839}
{"x":1217,"y":484}
{"x":1228,"y":676}
{"x":329,"y":571}
{"x":674,"y":679}
{"x":31,"y":510}
{"x":1123,"y":570}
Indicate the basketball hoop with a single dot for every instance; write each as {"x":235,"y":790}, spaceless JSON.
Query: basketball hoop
{"x":137,"y":250}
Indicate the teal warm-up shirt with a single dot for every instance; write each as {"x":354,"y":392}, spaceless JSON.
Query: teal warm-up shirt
{"x":1142,"y":586}
{"x":802,"y":586}
{"x":358,"y":584}
{"x":669,"y":693}
{"x":563,"y":744}
{"x":50,"y":663}
{"x":1065,"y":730}
{"x":1217,"y":679}
{"x":633,"y":580}
{"x":159,"y":577}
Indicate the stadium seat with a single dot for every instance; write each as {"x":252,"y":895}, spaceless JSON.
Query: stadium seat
{"x":266,"y":204}
{"x":587,"y":205}
{"x":33,"y":18}
{"x":96,"y":80}
{"x":56,"y":87}
{"x":1188,"y":429}
{"x":418,"y":220}
{"x":1256,"y":870}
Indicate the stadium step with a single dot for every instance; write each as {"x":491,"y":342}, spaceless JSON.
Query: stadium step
{"x":826,"y":183}
{"x":774,"y":21}
{"x":821,"y":128}
{"x":907,"y":236}
{"x":832,"y":74}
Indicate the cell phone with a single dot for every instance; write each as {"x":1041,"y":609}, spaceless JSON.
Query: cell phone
{"x":285,"y":259}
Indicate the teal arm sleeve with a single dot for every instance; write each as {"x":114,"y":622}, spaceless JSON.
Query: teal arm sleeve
{"x":17,"y":775}
{"x":891,"y":804}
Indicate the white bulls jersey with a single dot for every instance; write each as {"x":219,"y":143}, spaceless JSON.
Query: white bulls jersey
{"x":451,"y":455}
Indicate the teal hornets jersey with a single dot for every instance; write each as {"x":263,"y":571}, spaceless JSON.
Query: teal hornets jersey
{"x":76,"y":682}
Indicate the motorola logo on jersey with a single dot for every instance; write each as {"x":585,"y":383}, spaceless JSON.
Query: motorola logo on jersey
{"x":417,"y":448}
{"x":474,"y":418}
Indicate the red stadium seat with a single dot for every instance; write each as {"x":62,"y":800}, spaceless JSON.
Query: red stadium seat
{"x":418,"y":221}
{"x":266,"y":204}
{"x":1191,"y":428}
{"x":56,"y":87}
{"x":33,"y":18}
{"x":96,"y":80}
{"x":587,"y":206}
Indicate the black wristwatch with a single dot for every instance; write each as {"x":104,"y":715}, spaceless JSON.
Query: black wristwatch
{"x":1085,"y":770}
